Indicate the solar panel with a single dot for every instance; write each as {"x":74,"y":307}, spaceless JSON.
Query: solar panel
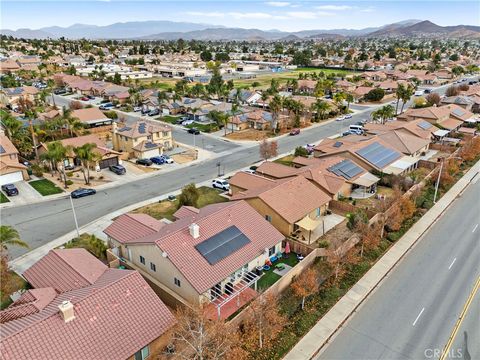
{"x":141,"y":128}
{"x":125,"y":129}
{"x":223,"y":244}
{"x":424,"y":125}
{"x":458,"y":112}
{"x":378,"y":154}
{"x":2,"y":150}
{"x":338,"y":144}
{"x":346,"y":169}
{"x":150,"y":145}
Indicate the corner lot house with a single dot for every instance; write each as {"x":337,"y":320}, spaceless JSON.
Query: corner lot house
{"x":92,"y":117}
{"x":11,"y":170}
{"x":79,"y":308}
{"x":143,"y":139}
{"x":207,"y":255}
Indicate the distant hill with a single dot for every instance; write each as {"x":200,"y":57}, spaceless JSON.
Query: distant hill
{"x":428,"y":28}
{"x":27,"y":34}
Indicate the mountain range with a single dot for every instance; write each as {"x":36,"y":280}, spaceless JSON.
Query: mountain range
{"x":169,"y":30}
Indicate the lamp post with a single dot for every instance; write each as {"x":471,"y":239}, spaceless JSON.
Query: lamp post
{"x":439,"y":175}
{"x":74,"y":215}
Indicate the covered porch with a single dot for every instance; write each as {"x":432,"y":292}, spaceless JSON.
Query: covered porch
{"x":309,"y":230}
{"x":364,"y":186}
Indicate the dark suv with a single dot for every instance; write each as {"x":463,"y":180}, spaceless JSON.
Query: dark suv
{"x":10,"y":189}
{"x":118,"y":169}
{"x":146,"y":162}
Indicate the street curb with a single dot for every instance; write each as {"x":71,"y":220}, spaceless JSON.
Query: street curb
{"x":321,"y":344}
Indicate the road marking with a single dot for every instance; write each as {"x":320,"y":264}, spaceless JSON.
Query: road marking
{"x":421,"y":312}
{"x":449,"y":343}
{"x":453,"y":262}
{"x":475,"y":228}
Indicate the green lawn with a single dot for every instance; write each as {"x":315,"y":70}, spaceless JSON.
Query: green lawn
{"x":203,"y":127}
{"x":286,"y":160}
{"x":169,"y":118}
{"x":269,"y":277}
{"x":166,"y":208}
{"x":3,"y":198}
{"x":45,"y":187}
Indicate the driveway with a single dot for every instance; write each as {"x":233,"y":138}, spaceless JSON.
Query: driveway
{"x":26,"y":194}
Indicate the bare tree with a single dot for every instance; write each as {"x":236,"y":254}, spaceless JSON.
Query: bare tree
{"x":307,"y":283}
{"x":268,"y":149}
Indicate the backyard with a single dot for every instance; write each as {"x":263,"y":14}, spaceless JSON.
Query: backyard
{"x":166,"y":208}
{"x":45,"y":187}
{"x":269,"y":277}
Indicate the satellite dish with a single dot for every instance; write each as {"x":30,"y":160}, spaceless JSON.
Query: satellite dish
{"x":164,"y":254}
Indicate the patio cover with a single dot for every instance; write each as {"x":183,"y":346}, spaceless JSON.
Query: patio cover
{"x":366,"y":180}
{"x":400,"y":165}
{"x":441,"y":133}
{"x":308,"y":224}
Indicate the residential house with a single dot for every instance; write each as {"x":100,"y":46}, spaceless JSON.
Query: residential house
{"x":143,"y":139}
{"x":11,"y":170}
{"x":8,"y":65}
{"x":449,"y":117}
{"x":78,"y":308}
{"x":206,"y":256}
{"x":461,"y":100}
{"x":91,"y":117}
{"x":13,"y":95}
{"x":419,"y":128}
{"x":244,"y":96}
{"x":307,"y":86}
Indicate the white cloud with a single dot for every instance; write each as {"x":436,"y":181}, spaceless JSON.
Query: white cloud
{"x":278,"y":3}
{"x":334,"y":7}
{"x":308,"y":14}
{"x":206,"y":14}
{"x":368,"y":10}
{"x":253,"y":15}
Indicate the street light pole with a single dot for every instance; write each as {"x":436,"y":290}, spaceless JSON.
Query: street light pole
{"x":74,"y":216}
{"x":438,"y":182}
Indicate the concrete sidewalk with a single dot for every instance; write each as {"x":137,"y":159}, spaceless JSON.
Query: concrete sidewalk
{"x":315,"y":340}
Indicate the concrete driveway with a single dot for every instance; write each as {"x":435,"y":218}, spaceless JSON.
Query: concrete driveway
{"x":26,"y":194}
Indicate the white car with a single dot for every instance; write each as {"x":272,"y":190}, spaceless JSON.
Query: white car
{"x":340,"y":118}
{"x":348,"y":116}
{"x":249,"y":171}
{"x":137,"y":108}
{"x":187,"y":122}
{"x":220,"y":184}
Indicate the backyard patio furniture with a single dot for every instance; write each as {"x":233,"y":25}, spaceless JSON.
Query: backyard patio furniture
{"x":299,"y":257}
{"x":259,"y":270}
{"x":273,"y":258}
{"x":280,"y":266}
{"x":279,"y":255}
{"x":266,"y":268}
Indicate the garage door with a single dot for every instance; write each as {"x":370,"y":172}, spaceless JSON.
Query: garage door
{"x":11,"y":178}
{"x":107,"y":162}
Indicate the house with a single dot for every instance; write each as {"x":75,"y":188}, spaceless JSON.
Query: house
{"x":106,"y":156}
{"x":8,"y":65}
{"x":11,"y":170}
{"x":257,"y":119}
{"x":464,"y":102}
{"x":345,"y":85}
{"x":449,"y":117}
{"x":143,"y":139}
{"x":13,"y":95}
{"x":244,"y":96}
{"x":91,"y":117}
{"x":407,"y":144}
{"x":419,"y":128}
{"x":78,"y":308}
{"x":206,"y":256}
{"x":361,"y":91}
{"x":307,"y":86}
{"x":286,"y":202}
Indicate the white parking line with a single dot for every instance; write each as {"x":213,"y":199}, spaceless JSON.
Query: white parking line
{"x":475,"y":228}
{"x":453,"y":262}
{"x":421,"y":312}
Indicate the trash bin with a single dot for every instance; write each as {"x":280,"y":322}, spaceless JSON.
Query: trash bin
{"x":29,"y":171}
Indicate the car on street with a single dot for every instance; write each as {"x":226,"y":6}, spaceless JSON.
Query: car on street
{"x":118,"y":169}
{"x":145,"y":162}
{"x":187,"y":122}
{"x":418,"y":93}
{"x":106,"y":106}
{"x":194,"y":131}
{"x":348,"y":116}
{"x":91,"y":97}
{"x":157,"y":160}
{"x":427,"y":91}
{"x":10,"y":189}
{"x":340,"y":118}
{"x":220,"y":184}
{"x":294,"y":132}
{"x":137,"y":108}
{"x":69,"y":167}
{"x":81,"y":192}
{"x":59,"y":91}
{"x":154,"y":112}
{"x":145,"y":110}
{"x":84,"y":98}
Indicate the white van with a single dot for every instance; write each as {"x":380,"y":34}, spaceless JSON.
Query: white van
{"x":356,"y":129}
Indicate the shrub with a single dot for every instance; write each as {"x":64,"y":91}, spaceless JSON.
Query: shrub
{"x":111,"y":114}
{"x":375,"y":95}
{"x":70,"y":174}
{"x":323,"y":244}
{"x":300,"y":151}
{"x":37,"y":170}
{"x":69,"y":182}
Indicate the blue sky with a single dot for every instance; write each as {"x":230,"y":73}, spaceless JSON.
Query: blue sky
{"x":281,"y":15}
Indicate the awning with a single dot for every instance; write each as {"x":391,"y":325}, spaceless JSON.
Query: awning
{"x":366,"y":180}
{"x":451,"y":124}
{"x":400,"y":165}
{"x":441,"y":133}
{"x":308,"y":224}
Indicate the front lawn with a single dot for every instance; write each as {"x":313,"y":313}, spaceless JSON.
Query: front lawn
{"x":166,"y":208}
{"x":169,"y":119}
{"x":45,"y":187}
{"x":203,"y":127}
{"x":15,"y":283}
{"x":3,"y":198}
{"x":286,"y":160}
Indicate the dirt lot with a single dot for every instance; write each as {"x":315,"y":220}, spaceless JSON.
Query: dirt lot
{"x":371,"y":202}
{"x":185,"y":157}
{"x":249,"y":134}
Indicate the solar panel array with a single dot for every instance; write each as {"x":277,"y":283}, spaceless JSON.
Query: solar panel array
{"x":425,"y":125}
{"x":2,"y":150}
{"x":141,"y":128}
{"x":378,"y":155}
{"x":223,"y":244}
{"x":338,"y":144}
{"x":150,"y":145}
{"x":346,"y":169}
{"x":458,"y":112}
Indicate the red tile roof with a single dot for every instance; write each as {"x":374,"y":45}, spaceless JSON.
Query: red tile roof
{"x":276,"y":170}
{"x":31,"y":302}
{"x":65,"y":269}
{"x":128,"y":227}
{"x":246,"y":181}
{"x":175,"y":240}
{"x":185,"y":211}
{"x":114,"y":318}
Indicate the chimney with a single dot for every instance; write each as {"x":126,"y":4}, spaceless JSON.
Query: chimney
{"x":66,"y":311}
{"x":194,"y":230}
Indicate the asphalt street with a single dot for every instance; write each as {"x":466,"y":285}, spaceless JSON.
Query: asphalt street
{"x":413,"y":313}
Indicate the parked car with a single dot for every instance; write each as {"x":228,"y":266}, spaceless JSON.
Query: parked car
{"x":427,"y":91}
{"x":107,"y":106}
{"x":167,"y":159}
{"x":179,"y":121}
{"x":309,"y":148}
{"x":154,"y":112}
{"x":157,"y":160}
{"x":75,"y":194}
{"x":249,"y":171}
{"x":194,"y":131}
{"x":340,"y":118}
{"x":187,"y":122}
{"x":84,"y":98}
{"x":91,"y":97}
{"x":59,"y":91}
{"x":220,"y":184}
{"x":145,"y":162}
{"x":69,"y":167}
{"x":418,"y":93}
{"x":346,"y":133}
{"x":137,"y":108}
{"x":10,"y":189}
{"x":118,"y":169}
{"x":294,"y":132}
{"x":348,"y":116}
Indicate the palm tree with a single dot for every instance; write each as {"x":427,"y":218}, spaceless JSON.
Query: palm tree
{"x":399,"y":94}
{"x":11,"y":125}
{"x":264,"y":98}
{"x":349,"y":98}
{"x":54,"y":154}
{"x":86,"y":155}
{"x":9,"y":236}
{"x":275,"y":106}
{"x":71,"y":122}
{"x":320,"y":108}
{"x":407,"y":95}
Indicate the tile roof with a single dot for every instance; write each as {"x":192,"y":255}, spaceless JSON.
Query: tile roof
{"x":405,"y":143}
{"x":65,"y":269}
{"x":175,"y":240}
{"x":248,"y":181}
{"x":114,"y":318}
{"x":142,"y":128}
{"x":276,"y":170}
{"x":129,"y":227}
{"x":89,"y":114}
{"x":185,"y":211}
{"x":292,"y":199}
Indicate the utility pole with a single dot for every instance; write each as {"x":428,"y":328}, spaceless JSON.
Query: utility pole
{"x":438,"y":182}
{"x":74,"y":216}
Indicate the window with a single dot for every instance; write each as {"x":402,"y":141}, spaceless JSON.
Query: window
{"x":268,"y":218}
{"x":142,"y":354}
{"x":271,"y":251}
{"x":177,"y":282}
{"x":318,"y":212}
{"x":142,"y":259}
{"x":153,"y":267}
{"x":165,"y":133}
